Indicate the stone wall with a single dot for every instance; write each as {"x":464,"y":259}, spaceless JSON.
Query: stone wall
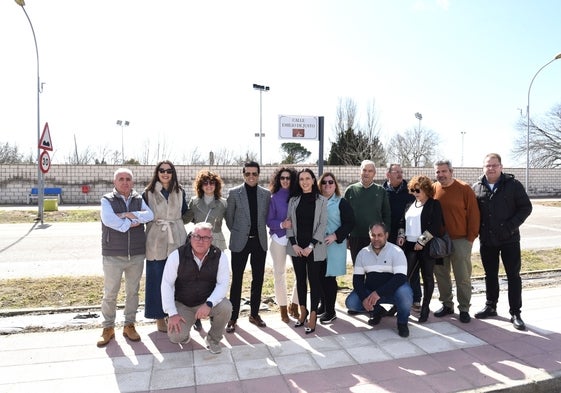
{"x":16,"y":181}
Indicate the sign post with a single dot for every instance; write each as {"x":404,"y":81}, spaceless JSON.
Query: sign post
{"x":303,"y":127}
{"x":44,"y":165}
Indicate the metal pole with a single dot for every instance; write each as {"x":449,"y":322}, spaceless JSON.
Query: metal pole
{"x":40,"y":185}
{"x":261,"y":89}
{"x":527,"y":184}
{"x":261,"y":127}
{"x":463,"y":133}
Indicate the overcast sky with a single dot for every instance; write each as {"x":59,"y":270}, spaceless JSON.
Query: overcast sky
{"x":181,"y":72}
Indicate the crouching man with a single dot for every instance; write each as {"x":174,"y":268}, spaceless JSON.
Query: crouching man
{"x":380,"y":276}
{"x":194,"y":286}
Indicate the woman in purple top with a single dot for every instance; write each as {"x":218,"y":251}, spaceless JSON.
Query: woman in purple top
{"x":281,"y":182}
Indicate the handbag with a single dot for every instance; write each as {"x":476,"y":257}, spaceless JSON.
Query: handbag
{"x":440,"y":246}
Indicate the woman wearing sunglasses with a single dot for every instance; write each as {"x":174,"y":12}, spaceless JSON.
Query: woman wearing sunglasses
{"x":340,"y":222}
{"x":422,"y":221}
{"x":166,"y":198}
{"x":208,"y":205}
{"x":282,"y":182}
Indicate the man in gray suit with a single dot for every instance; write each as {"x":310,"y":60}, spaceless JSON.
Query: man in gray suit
{"x":246,"y":216}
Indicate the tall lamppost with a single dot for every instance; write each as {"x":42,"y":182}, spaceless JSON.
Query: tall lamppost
{"x":261,"y":89}
{"x":463,"y":134}
{"x":528,"y":120}
{"x":40,"y":187}
{"x":419,"y":117}
{"x":123,"y":124}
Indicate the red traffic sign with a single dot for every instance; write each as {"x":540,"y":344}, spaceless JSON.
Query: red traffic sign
{"x":44,"y":161}
{"x":45,"y":140}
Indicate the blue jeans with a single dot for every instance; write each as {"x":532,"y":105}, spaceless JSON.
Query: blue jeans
{"x":402,"y":299}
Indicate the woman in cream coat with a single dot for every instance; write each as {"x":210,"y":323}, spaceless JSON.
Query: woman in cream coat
{"x":166,"y":198}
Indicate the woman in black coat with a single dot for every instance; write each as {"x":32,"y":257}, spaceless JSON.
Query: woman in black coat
{"x":422,"y":220}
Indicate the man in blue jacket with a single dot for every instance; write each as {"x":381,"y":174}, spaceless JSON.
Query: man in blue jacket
{"x":504,"y":205}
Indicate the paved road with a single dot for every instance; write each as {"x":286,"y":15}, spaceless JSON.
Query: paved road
{"x":54,"y":249}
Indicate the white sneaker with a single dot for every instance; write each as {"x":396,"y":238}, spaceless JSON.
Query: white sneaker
{"x":212,"y":346}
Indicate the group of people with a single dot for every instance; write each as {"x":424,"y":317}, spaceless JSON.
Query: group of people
{"x":387,"y":228}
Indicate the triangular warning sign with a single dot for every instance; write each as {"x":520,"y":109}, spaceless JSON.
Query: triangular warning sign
{"x":45,"y":140}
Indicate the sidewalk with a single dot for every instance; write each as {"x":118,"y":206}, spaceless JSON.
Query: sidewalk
{"x":442,"y":355}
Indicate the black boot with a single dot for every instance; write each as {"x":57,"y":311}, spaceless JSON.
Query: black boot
{"x":424,"y":314}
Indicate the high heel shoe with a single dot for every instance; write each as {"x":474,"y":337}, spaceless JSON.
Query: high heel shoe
{"x":303,"y":320}
{"x":313,"y":317}
{"x":424,"y":314}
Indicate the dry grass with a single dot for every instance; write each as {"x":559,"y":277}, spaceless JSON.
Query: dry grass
{"x":87,"y":291}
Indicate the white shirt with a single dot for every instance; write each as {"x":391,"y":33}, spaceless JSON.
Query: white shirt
{"x":391,"y":259}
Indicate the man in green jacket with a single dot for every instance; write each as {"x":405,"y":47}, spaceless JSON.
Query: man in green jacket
{"x":370,"y":204}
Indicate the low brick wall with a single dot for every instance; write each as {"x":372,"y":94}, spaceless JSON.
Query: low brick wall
{"x":16,"y":181}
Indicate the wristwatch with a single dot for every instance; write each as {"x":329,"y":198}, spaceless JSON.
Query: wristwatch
{"x":311,"y":246}
{"x":209,"y":303}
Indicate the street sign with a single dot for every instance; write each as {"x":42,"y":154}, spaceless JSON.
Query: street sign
{"x":44,"y":161}
{"x":45,"y":140}
{"x":298,"y":127}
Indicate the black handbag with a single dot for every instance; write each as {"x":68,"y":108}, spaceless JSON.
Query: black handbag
{"x":440,"y":246}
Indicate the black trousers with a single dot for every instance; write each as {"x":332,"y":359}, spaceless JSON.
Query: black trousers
{"x":356,"y":244}
{"x":510,"y":255}
{"x":307,"y":270}
{"x":239,"y":262}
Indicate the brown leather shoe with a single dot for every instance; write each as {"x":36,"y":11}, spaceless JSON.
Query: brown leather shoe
{"x":130,"y":332}
{"x":231,"y":327}
{"x":107,"y":335}
{"x":257,"y":321}
{"x":294,"y":311}
{"x":161,"y":325}
{"x":284,"y":314}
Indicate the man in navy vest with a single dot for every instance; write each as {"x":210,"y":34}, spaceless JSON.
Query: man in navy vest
{"x":194,"y":286}
{"x":123,"y":246}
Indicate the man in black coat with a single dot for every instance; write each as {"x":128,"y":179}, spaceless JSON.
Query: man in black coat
{"x":504,"y":205}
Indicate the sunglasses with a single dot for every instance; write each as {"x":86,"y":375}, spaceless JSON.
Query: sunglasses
{"x":202,"y":238}
{"x":209,"y":183}
{"x":415,"y":190}
{"x":168,"y":171}
{"x":248,"y":174}
{"x":285,"y":177}
{"x":324,"y":182}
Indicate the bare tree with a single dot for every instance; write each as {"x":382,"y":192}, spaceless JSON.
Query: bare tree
{"x":417,"y":147}
{"x":83,"y":157}
{"x":10,"y":154}
{"x":354,"y":144}
{"x":545,"y":140}
{"x":223,"y":157}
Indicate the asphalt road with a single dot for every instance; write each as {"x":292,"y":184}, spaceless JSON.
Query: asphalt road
{"x":74,"y":249}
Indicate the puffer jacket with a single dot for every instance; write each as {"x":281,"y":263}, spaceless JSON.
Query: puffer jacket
{"x":502,"y":210}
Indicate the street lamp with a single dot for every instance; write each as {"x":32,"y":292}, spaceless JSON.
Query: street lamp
{"x":123,"y":124}
{"x":261,"y":89}
{"x":528,"y":120}
{"x":419,"y":117}
{"x":463,"y":134}
{"x":40,"y":186}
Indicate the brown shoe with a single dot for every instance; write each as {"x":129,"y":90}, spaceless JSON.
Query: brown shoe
{"x":231,"y":327}
{"x":294,"y":311}
{"x":130,"y":332}
{"x":107,"y":335}
{"x":162,"y":325}
{"x":284,"y":314}
{"x":257,"y":321}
